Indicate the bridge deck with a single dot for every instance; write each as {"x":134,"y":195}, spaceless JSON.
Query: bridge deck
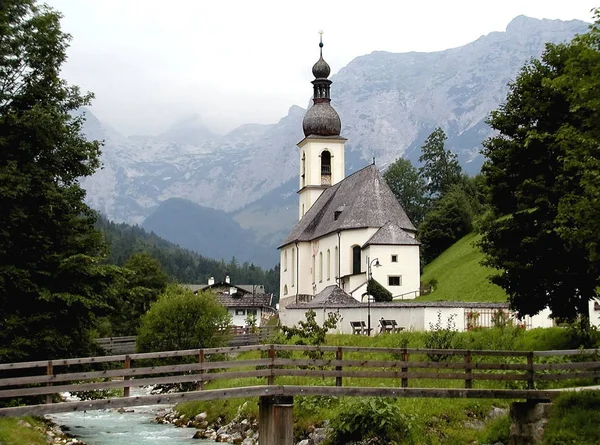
{"x":347,"y":370}
{"x":278,"y":390}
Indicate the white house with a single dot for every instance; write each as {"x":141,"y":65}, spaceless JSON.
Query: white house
{"x":349,"y":227}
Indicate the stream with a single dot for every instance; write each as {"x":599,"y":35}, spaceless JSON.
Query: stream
{"x":110,"y":427}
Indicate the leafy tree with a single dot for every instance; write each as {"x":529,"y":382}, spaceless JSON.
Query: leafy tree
{"x":450,"y":219}
{"x":440,"y":166}
{"x":53,"y":283}
{"x":542,"y":169}
{"x":377,"y":291}
{"x":409,"y":188}
{"x":182,"y":320}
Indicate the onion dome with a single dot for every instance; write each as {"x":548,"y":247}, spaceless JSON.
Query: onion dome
{"x":321,"y":119}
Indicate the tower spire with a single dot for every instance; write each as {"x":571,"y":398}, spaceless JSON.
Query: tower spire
{"x":321,"y":119}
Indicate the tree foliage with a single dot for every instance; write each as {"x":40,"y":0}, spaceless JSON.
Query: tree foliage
{"x":53,"y":283}
{"x":542,"y":170}
{"x":409,"y":187}
{"x":179,"y":319}
{"x":440,"y":166}
{"x":450,"y":219}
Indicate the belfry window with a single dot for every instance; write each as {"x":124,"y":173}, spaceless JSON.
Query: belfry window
{"x":325,"y":163}
{"x":326,"y":168}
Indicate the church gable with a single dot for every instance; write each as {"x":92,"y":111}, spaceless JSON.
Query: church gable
{"x":363,"y":199}
{"x":391,"y":235}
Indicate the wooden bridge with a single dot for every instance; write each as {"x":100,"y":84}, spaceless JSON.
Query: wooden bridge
{"x":277,"y":373}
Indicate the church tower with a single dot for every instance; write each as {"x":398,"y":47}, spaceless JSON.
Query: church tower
{"x":322,"y":149}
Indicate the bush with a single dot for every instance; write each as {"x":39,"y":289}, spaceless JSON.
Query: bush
{"x":366,"y":418}
{"x":440,"y":337}
{"x":182,"y":320}
{"x":378,"y":292}
{"x":574,"y":418}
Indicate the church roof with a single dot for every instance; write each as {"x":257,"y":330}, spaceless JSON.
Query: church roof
{"x":332,"y":295}
{"x":392,"y":235}
{"x":361,"y":200}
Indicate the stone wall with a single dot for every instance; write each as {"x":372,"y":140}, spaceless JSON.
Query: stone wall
{"x":528,"y":422}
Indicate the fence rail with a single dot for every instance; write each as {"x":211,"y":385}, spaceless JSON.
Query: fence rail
{"x":241,"y":336}
{"x":347,"y":368}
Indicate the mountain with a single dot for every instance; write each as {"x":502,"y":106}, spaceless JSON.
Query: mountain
{"x":389,"y":103}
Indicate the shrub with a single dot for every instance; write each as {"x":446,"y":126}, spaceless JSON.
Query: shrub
{"x":365,"y":418}
{"x":440,"y":337}
{"x":378,"y":292}
{"x":182,"y":320}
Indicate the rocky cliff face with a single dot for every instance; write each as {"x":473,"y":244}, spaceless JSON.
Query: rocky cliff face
{"x":388,"y":104}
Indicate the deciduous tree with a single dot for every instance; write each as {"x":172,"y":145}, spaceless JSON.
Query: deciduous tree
{"x":542,"y":169}
{"x":409,"y":188}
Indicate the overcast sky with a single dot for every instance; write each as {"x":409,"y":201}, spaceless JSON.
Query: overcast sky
{"x":151,"y":62}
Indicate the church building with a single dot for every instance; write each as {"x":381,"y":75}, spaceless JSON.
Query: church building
{"x":349,"y":227}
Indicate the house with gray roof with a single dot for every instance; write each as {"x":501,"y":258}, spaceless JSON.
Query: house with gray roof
{"x":350,"y":228}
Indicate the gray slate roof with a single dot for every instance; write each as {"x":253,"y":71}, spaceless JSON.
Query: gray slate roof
{"x":332,"y":295}
{"x":247,"y":288}
{"x":366,"y":199}
{"x":259,"y":300}
{"x":391,"y":234}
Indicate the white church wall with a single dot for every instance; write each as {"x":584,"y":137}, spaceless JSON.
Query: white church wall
{"x":406,"y":268}
{"x":594,"y":313}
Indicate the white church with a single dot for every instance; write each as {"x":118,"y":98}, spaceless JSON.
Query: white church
{"x":349,"y":227}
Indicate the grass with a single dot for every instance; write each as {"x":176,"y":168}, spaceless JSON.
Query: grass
{"x":460,"y":275}
{"x":14,"y":431}
{"x":574,"y":419}
{"x":430,"y":421}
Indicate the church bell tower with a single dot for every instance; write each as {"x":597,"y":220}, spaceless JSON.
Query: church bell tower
{"x":322,"y":149}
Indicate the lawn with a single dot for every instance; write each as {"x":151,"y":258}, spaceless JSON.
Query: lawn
{"x":460,"y":275}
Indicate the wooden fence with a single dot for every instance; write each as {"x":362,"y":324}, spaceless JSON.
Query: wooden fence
{"x":287,"y":370}
{"x":241,"y":336}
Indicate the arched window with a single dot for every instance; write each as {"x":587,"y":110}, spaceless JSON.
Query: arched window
{"x":285,"y":260}
{"x":355,"y":260}
{"x":314,"y":272}
{"x":285,"y":291}
{"x":328,"y":264}
{"x":320,"y":267}
{"x":293,"y":266}
{"x":326,"y":168}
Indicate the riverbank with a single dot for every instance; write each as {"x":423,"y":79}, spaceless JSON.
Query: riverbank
{"x":34,"y":431}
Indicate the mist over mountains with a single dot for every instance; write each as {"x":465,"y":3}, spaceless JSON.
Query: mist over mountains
{"x":235,"y":194}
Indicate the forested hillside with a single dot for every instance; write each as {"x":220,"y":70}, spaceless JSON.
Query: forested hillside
{"x":180,"y":264}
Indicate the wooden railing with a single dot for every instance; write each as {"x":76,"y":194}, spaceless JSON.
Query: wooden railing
{"x":343,"y":371}
{"x":241,"y":336}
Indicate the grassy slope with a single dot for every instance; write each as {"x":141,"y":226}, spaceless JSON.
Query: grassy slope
{"x":460,"y":275}
{"x":14,"y":431}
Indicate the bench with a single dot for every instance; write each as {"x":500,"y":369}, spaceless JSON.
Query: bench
{"x":387,"y":326}
{"x":359,"y":328}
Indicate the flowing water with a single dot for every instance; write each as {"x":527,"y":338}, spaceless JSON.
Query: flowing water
{"x":110,"y":427}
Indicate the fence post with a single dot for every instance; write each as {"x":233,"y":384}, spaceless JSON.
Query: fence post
{"x":200,"y":386}
{"x":468,"y":379}
{"x":405,"y":368}
{"x":49,"y":372}
{"x":338,"y":356}
{"x":126,"y":365}
{"x":271,"y":378}
{"x":530,"y":371}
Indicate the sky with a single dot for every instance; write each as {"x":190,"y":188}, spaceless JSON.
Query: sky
{"x":151,"y":63}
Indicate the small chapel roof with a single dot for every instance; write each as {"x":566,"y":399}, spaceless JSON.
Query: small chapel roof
{"x":391,"y":235}
{"x":366,"y":200}
{"x":332,"y":295}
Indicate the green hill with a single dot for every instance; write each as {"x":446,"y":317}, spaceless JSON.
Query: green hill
{"x":460,"y":275}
